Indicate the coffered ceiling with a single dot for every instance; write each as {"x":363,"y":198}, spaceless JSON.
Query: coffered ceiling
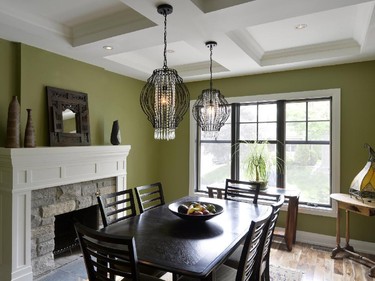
{"x":253,"y":36}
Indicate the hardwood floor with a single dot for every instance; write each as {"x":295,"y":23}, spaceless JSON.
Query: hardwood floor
{"x":316,"y":263}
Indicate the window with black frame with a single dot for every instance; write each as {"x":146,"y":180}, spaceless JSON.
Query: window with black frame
{"x":297,"y":134}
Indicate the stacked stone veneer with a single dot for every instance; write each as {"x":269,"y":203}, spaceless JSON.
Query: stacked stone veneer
{"x":50,"y":202}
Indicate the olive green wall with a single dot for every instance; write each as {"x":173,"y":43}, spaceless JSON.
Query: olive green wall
{"x":357,"y":84}
{"x":110,"y":96}
{"x":25,"y":71}
{"x":8,"y":88}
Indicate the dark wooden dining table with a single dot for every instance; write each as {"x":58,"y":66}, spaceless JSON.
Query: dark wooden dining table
{"x":194,"y":249}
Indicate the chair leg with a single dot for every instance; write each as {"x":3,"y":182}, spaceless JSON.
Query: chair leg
{"x":266,"y":273}
{"x":175,"y":277}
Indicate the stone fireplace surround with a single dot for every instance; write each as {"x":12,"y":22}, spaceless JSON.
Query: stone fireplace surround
{"x":50,"y":202}
{"x":26,"y":171}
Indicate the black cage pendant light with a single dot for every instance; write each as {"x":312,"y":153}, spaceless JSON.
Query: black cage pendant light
{"x":211,"y":110}
{"x":165,"y":98}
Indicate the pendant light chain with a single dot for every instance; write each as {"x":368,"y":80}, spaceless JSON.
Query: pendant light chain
{"x":165,"y":40}
{"x":211,"y":67}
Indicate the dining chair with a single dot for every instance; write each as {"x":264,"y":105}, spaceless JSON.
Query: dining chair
{"x":250,"y":255}
{"x":242,"y":191}
{"x":149,"y":196}
{"x":248,"y":192}
{"x":263,"y":273}
{"x":215,"y":192}
{"x":108,"y":257}
{"x":116,"y":206}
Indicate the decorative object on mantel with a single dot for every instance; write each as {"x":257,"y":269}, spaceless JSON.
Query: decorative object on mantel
{"x":211,"y":110}
{"x":165,"y":98}
{"x":13,"y":124}
{"x":115,"y":133}
{"x":363,"y":185}
{"x":29,"y":140}
{"x":68,"y":116}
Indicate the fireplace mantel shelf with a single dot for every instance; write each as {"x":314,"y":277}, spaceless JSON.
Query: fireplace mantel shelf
{"x":23,"y":170}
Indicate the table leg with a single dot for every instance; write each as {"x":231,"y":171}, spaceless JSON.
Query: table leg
{"x":295,"y":202}
{"x":337,"y":249}
{"x":291,"y":223}
{"x":347,"y":235}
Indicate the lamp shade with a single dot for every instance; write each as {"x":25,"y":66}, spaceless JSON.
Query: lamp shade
{"x":211,"y":111}
{"x":165,"y":100}
{"x":363,"y":185}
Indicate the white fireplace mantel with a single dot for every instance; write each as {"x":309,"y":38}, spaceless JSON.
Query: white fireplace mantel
{"x":25,"y":169}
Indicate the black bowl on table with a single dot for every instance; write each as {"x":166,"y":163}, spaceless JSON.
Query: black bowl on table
{"x":173,"y":207}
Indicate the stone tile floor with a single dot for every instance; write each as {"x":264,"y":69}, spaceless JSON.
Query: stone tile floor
{"x":72,"y":271}
{"x":71,"y":267}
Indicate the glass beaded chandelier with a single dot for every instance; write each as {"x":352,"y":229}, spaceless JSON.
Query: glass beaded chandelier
{"x":211,"y":110}
{"x":165,"y":98}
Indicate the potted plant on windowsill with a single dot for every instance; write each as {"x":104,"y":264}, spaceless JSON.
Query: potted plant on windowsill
{"x":258,"y":162}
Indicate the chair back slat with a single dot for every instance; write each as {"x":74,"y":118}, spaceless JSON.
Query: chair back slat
{"x":116,"y":206}
{"x":107,"y":256}
{"x":252,"y":249}
{"x":117,"y":202}
{"x":242,"y":191}
{"x":149,"y":196}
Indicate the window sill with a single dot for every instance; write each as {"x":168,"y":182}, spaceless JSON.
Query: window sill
{"x":317,"y":211}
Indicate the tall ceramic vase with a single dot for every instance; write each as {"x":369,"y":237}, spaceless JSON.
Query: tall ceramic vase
{"x":115,"y":133}
{"x":29,"y":140}
{"x":13,"y":124}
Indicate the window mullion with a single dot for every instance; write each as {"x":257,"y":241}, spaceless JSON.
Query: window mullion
{"x":198,"y":157}
{"x":280,"y":144}
{"x":235,"y":146}
{"x":307,"y":122}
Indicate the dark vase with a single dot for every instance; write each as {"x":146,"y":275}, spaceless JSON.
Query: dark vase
{"x":13,"y":124}
{"x":115,"y":134}
{"x":29,"y":140}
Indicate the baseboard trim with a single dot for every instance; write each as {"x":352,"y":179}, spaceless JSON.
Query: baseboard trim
{"x":330,"y":241}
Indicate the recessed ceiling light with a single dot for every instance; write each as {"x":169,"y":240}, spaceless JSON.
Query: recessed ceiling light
{"x":170,"y":51}
{"x":108,"y":47}
{"x":301,"y":26}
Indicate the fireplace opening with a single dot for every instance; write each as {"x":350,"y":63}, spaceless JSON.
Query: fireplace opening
{"x":65,"y":235}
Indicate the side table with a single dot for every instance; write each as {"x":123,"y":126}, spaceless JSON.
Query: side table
{"x":345,"y":202}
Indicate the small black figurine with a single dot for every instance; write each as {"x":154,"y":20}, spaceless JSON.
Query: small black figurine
{"x":115,"y":134}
